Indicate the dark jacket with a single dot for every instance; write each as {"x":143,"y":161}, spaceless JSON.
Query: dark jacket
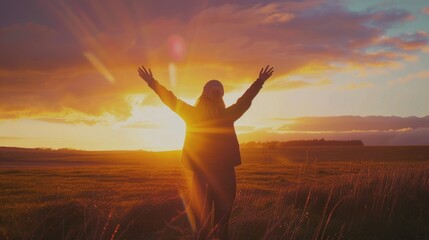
{"x":209,"y":142}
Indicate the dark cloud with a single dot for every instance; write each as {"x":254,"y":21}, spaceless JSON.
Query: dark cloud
{"x":31,"y":46}
{"x":24,"y":11}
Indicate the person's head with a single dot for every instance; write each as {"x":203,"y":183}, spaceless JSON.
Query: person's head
{"x":212,"y":97}
{"x":213,"y":90}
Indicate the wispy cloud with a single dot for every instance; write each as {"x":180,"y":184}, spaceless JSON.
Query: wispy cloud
{"x":355,"y":86}
{"x":354,"y":123}
{"x":410,"y":77}
{"x":283,"y":84}
{"x":141,"y":124}
{"x":13,"y":138}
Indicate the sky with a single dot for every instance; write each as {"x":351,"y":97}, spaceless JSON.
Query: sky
{"x":343,"y":70}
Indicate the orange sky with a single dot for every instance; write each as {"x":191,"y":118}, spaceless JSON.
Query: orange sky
{"x":68,"y":70}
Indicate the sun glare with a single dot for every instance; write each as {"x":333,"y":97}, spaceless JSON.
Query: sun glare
{"x":175,"y":128}
{"x":167,"y":131}
{"x":169,"y":135}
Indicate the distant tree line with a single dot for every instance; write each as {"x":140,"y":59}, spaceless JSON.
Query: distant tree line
{"x":314,"y":142}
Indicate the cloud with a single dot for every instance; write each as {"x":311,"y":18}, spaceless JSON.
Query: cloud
{"x":410,"y":77}
{"x":244,"y":128}
{"x":410,"y":42}
{"x":282,"y":84}
{"x":319,"y":35}
{"x":60,"y":62}
{"x":354,"y":123}
{"x":13,"y":138}
{"x":410,"y":137}
{"x":76,"y":94}
{"x":31,"y":46}
{"x":141,"y":124}
{"x":69,"y":120}
{"x":355,"y":86}
{"x":372,"y":130}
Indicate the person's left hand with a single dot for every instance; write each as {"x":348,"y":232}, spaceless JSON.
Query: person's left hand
{"x":266,"y":73}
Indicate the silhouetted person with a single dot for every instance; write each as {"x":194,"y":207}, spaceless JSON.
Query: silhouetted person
{"x":211,"y":149}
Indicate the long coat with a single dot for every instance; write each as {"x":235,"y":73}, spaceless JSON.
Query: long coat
{"x":209,"y":142}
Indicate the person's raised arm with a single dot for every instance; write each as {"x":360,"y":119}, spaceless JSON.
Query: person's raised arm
{"x":243,"y":103}
{"x":183,"y":109}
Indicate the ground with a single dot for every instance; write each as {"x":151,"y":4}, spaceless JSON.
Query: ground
{"x":287,"y":193}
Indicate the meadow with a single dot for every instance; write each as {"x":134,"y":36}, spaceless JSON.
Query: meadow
{"x":282,"y":193}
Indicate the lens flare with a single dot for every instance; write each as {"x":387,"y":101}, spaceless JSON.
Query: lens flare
{"x":172,"y":74}
{"x":97,"y":64}
{"x":176,"y":47}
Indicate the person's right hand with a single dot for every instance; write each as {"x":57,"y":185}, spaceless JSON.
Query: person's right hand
{"x":146,"y":75}
{"x":266,"y":73}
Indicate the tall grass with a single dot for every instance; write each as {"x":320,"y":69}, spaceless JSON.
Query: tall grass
{"x":372,"y":203}
{"x":276,"y":199}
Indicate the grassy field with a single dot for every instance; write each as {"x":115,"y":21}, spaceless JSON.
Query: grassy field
{"x":289,"y":193}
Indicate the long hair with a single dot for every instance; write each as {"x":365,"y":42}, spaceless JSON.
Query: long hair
{"x":211,"y":107}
